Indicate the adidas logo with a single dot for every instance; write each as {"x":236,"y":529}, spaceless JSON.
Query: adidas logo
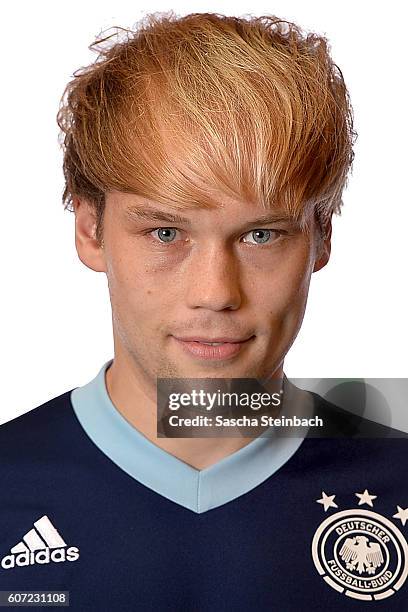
{"x":40,"y":545}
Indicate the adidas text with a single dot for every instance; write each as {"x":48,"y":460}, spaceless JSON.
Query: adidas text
{"x":57,"y":555}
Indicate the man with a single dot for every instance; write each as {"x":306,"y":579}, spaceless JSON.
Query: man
{"x":204,"y":157}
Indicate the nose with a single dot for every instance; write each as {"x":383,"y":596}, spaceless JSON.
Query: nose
{"x":213,"y":280}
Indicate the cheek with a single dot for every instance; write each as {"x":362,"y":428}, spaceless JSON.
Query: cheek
{"x":134,"y":292}
{"x":285,"y":289}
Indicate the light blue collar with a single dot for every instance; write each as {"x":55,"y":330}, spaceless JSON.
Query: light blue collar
{"x":197,"y":490}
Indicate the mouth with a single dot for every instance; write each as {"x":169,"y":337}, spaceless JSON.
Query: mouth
{"x":213,"y":349}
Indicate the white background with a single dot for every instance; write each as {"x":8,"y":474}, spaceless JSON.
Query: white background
{"x":55,"y":312}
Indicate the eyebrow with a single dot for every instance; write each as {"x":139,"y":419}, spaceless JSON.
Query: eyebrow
{"x":151,"y":214}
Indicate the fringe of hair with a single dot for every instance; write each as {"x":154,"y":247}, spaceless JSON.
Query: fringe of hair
{"x":182,"y":110}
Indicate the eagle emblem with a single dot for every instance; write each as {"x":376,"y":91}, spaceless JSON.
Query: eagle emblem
{"x":361,"y":555}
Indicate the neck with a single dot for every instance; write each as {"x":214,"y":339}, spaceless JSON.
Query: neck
{"x":137,"y":404}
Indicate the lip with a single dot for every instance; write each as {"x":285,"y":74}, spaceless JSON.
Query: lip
{"x":220,"y":339}
{"x":227,"y":350}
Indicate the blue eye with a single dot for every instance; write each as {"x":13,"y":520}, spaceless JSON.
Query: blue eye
{"x":263,"y":235}
{"x":163,"y":233}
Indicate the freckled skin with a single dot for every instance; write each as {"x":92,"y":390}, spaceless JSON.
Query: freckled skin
{"x":214,"y":279}
{"x":206,"y":288}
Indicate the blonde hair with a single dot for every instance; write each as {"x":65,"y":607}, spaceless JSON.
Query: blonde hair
{"x":181,"y":110}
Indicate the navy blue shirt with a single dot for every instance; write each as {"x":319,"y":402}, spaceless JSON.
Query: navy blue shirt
{"x":90,"y":506}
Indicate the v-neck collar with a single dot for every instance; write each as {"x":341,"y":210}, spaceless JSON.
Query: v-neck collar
{"x":197,"y":490}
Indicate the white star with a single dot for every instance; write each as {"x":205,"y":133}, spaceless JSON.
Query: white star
{"x":365,"y":498}
{"x":327,"y":501}
{"x":401,"y":514}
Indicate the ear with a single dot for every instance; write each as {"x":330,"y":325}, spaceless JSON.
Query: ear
{"x":89,"y":250}
{"x":323,"y":248}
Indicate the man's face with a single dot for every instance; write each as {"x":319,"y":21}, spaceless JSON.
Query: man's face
{"x":218,"y":275}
